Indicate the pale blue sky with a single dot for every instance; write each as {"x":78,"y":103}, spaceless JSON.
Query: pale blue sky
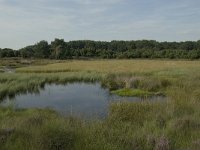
{"x":25,"y":22}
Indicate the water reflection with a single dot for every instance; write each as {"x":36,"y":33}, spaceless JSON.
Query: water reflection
{"x":79,"y":99}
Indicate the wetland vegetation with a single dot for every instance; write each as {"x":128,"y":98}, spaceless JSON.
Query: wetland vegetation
{"x":159,"y":125}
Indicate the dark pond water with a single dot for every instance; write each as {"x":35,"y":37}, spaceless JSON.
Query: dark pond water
{"x":79,"y":99}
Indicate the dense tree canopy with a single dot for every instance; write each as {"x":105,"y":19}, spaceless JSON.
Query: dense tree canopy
{"x":59,"y":49}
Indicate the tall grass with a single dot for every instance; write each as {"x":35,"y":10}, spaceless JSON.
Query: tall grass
{"x":12,"y":84}
{"x":170,"y":125}
{"x":115,"y":66}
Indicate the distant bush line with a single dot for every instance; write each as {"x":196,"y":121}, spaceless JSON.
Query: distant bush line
{"x":59,"y":49}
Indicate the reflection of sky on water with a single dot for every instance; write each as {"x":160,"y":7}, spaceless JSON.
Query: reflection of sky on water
{"x":82,"y":99}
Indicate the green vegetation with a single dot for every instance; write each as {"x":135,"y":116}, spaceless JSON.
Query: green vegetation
{"x":59,"y":49}
{"x":169,"y":125}
{"x":133,"y":92}
{"x":19,"y":62}
{"x":133,"y":67}
{"x":12,"y":84}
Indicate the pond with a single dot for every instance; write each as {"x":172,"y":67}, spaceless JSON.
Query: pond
{"x":78,"y":99}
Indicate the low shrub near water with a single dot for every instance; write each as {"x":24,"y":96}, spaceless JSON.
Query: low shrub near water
{"x":131,"y":85}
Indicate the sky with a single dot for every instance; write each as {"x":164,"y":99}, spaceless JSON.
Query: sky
{"x":25,"y":22}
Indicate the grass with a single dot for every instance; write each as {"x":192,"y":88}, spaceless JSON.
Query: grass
{"x":115,"y":66}
{"x":133,"y":92}
{"x":170,"y":125}
{"x":20,"y":62}
{"x":12,"y":84}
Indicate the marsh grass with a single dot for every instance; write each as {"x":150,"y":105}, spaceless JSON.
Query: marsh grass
{"x":141,"y":86}
{"x":21,"y":62}
{"x":169,"y":125}
{"x":12,"y":84}
{"x":137,"y":125}
{"x":133,"y":92}
{"x":116,"y":66}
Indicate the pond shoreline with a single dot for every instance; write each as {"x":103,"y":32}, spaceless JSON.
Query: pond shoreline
{"x":77,"y":98}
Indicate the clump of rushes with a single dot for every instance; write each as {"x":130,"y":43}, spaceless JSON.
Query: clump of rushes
{"x":135,"y":85}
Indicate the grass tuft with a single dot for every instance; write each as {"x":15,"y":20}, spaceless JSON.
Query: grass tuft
{"x":133,"y":93}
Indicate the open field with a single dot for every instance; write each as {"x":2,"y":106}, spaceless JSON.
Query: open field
{"x":116,"y":66}
{"x":170,"y":125}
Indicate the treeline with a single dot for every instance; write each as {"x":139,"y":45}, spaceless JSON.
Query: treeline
{"x":59,"y":49}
